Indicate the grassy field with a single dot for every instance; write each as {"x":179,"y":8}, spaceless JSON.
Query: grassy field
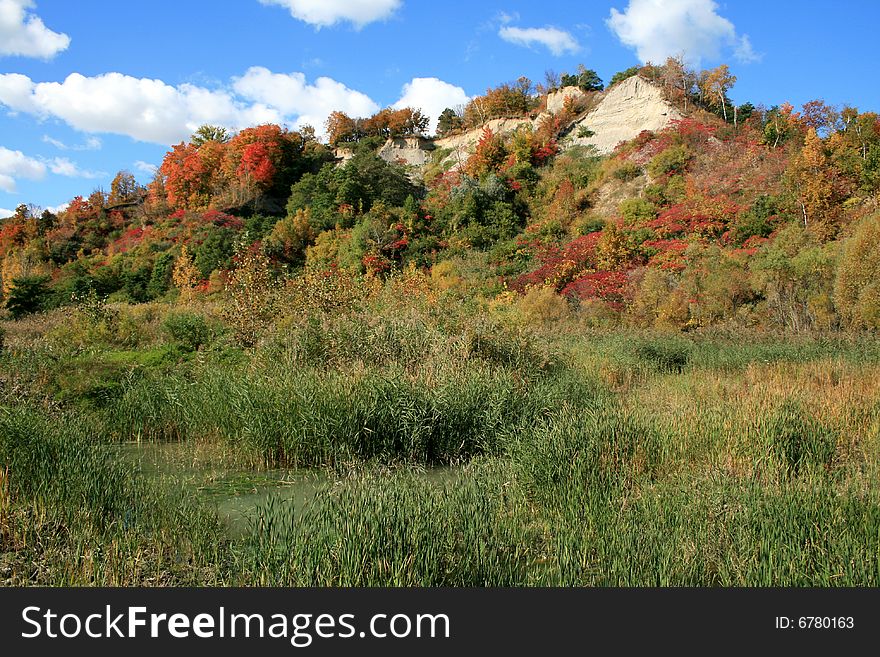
{"x":433,"y":446}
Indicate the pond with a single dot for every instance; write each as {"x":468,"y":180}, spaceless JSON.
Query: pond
{"x":236,"y":492}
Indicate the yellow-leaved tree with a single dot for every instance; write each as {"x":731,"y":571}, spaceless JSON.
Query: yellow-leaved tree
{"x":185,"y":275}
{"x":857,"y":283}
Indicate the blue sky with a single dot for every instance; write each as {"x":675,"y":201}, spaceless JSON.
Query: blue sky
{"x":91,"y":87}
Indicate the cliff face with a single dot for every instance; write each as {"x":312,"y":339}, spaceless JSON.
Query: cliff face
{"x":408,"y":151}
{"x":620,"y":114}
{"x":461,"y":146}
{"x":625,"y":110}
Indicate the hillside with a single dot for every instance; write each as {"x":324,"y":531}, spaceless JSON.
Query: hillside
{"x":653,"y":201}
{"x":619,"y":336}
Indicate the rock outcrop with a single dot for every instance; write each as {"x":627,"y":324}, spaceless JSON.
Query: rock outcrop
{"x":625,"y":110}
{"x":619,"y":114}
{"x":462,"y":146}
{"x":556,"y":99}
{"x":408,"y":151}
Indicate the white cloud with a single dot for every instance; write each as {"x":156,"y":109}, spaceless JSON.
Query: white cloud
{"x":431,"y":96}
{"x":324,"y":13}
{"x":558,"y":42}
{"x":146,"y":167}
{"x":504,"y":18}
{"x":744,"y":51}
{"x":61,"y":166}
{"x":91,"y":144}
{"x":291,"y":95}
{"x":4,"y":213}
{"x":60,"y":145}
{"x":15,"y":165}
{"x":22,"y":33}
{"x":17,"y":93}
{"x":55,"y":209}
{"x":154,"y":111}
{"x":658,"y":29}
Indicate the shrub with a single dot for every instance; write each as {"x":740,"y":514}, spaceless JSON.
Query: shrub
{"x":670,"y":161}
{"x":190,"y":330}
{"x":856,"y":293}
{"x":542,"y":305}
{"x":637,"y":210}
{"x":28,"y":295}
{"x":627,"y":171}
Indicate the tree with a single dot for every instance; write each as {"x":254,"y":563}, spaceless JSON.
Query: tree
{"x":588,"y":79}
{"x":551,"y":80}
{"x":620,"y":76}
{"x":857,"y":282}
{"x":819,"y":116}
{"x":123,"y":188}
{"x":779,"y":125}
{"x":207,"y":133}
{"x":716,"y":84}
{"x":290,"y":237}
{"x":341,"y":129}
{"x":185,"y":275}
{"x":251,"y":296}
{"x":449,"y":121}
{"x":28,"y":295}
{"x":814,"y":180}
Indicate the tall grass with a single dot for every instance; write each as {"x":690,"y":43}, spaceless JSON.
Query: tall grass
{"x":296,"y":416}
{"x":73,"y":514}
{"x":603,"y":460}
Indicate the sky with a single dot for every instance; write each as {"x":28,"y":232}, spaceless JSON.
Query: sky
{"x":92,"y":87}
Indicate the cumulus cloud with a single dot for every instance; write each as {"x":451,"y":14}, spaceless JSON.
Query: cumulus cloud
{"x":290,"y":95}
{"x":559,"y":42}
{"x":4,"y":213}
{"x":431,"y":96}
{"x":15,"y":165}
{"x":23,"y":33}
{"x":324,"y":13}
{"x":61,"y":166}
{"x":153,"y":111}
{"x":55,"y":209}
{"x":658,"y":29}
{"x":146,"y":167}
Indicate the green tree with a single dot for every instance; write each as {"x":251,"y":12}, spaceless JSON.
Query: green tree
{"x":27,"y":295}
{"x":620,"y":76}
{"x":160,"y":277}
{"x":448,"y":122}
{"x":207,"y":133}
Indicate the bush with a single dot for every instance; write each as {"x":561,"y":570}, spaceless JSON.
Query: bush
{"x":190,"y":330}
{"x":856,"y":293}
{"x":627,"y":171}
{"x":28,"y":295}
{"x":637,"y":210}
{"x":542,"y":305}
{"x":671,"y":161}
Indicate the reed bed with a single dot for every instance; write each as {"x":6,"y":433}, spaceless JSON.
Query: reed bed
{"x":576,"y":460}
